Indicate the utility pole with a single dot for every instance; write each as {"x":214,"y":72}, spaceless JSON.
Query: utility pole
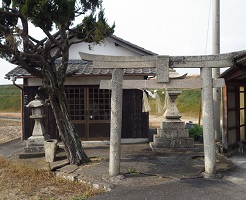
{"x":216,"y":71}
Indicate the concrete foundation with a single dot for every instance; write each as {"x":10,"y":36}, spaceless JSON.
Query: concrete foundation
{"x":172,"y":135}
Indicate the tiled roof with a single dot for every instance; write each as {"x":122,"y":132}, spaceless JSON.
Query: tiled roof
{"x":142,"y":51}
{"x":83,"y":68}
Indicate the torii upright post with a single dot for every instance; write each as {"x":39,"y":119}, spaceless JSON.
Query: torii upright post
{"x":116,"y":123}
{"x":208,"y":124}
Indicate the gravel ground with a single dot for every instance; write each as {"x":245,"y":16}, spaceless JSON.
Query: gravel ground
{"x":10,"y":127}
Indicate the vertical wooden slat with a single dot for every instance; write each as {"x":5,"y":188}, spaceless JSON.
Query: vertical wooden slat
{"x":237,"y":100}
{"x":135,"y":123}
{"x":225,"y":119}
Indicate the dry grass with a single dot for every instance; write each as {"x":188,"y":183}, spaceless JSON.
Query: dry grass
{"x":22,"y":181}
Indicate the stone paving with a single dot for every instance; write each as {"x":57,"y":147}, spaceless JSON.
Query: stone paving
{"x":140,"y":166}
{"x":238,"y":175}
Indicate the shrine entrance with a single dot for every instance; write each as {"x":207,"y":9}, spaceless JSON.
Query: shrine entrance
{"x":162,"y":65}
{"x":90,"y":111}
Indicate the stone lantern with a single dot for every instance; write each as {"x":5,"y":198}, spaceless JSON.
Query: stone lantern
{"x":35,"y":143}
{"x":172,"y":132}
{"x":172,"y":111}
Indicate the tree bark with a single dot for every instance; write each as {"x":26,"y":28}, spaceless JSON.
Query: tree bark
{"x":67,"y":131}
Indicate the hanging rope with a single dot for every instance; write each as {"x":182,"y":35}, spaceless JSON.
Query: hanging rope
{"x":167,"y":102}
{"x":159,"y":106}
{"x":146,"y":107}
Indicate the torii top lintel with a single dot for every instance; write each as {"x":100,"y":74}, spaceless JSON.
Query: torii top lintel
{"x":161,"y":63}
{"x":212,"y":61}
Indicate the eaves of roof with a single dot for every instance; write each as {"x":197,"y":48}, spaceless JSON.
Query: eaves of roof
{"x":84,"y":68}
{"x":239,"y":60}
{"x":131,"y":46}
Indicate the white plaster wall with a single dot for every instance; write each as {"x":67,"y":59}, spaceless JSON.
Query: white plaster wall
{"x":106,"y":48}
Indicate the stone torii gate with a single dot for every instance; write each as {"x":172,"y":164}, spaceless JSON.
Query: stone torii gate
{"x":162,"y":64}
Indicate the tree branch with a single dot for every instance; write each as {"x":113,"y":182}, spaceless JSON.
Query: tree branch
{"x":61,"y":72}
{"x":15,"y":14}
{"x":55,"y":41}
{"x":79,"y":41}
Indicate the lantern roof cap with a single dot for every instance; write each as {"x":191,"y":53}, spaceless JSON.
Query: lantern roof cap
{"x":37,"y":102}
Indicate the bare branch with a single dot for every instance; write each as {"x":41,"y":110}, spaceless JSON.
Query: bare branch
{"x":24,"y":33}
{"x":34,"y":40}
{"x":15,"y":14}
{"x":54,"y":40}
{"x":76,"y":42}
{"x":57,"y":54}
{"x":82,"y":40}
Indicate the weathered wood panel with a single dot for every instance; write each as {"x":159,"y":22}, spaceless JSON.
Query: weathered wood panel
{"x":134,"y":122}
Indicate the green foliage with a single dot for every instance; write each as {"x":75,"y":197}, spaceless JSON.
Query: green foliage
{"x":188,"y":102}
{"x":9,"y":90}
{"x":49,"y":15}
{"x":195,"y":131}
{"x":45,"y":13}
{"x":10,"y":98}
{"x":95,"y":30}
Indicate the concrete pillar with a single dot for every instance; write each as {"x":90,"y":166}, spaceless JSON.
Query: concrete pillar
{"x":208,"y":123}
{"x":116,"y":123}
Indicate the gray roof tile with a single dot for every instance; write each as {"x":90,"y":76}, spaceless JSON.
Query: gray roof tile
{"x":84,"y":68}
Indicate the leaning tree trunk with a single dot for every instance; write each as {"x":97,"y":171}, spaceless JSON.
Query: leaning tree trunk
{"x":67,"y":132}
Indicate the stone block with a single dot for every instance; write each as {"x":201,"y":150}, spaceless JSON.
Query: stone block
{"x":154,"y":138}
{"x":171,"y":133}
{"x":162,"y":71}
{"x":183,"y":133}
{"x":172,"y":124}
{"x":36,"y":140}
{"x":159,"y":132}
{"x":33,"y":149}
{"x":24,"y":155}
{"x":174,"y":143}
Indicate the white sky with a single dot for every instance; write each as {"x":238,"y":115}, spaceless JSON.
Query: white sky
{"x":172,"y":27}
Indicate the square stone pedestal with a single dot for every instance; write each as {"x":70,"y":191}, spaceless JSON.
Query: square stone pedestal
{"x":172,"y":134}
{"x":34,"y":147}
